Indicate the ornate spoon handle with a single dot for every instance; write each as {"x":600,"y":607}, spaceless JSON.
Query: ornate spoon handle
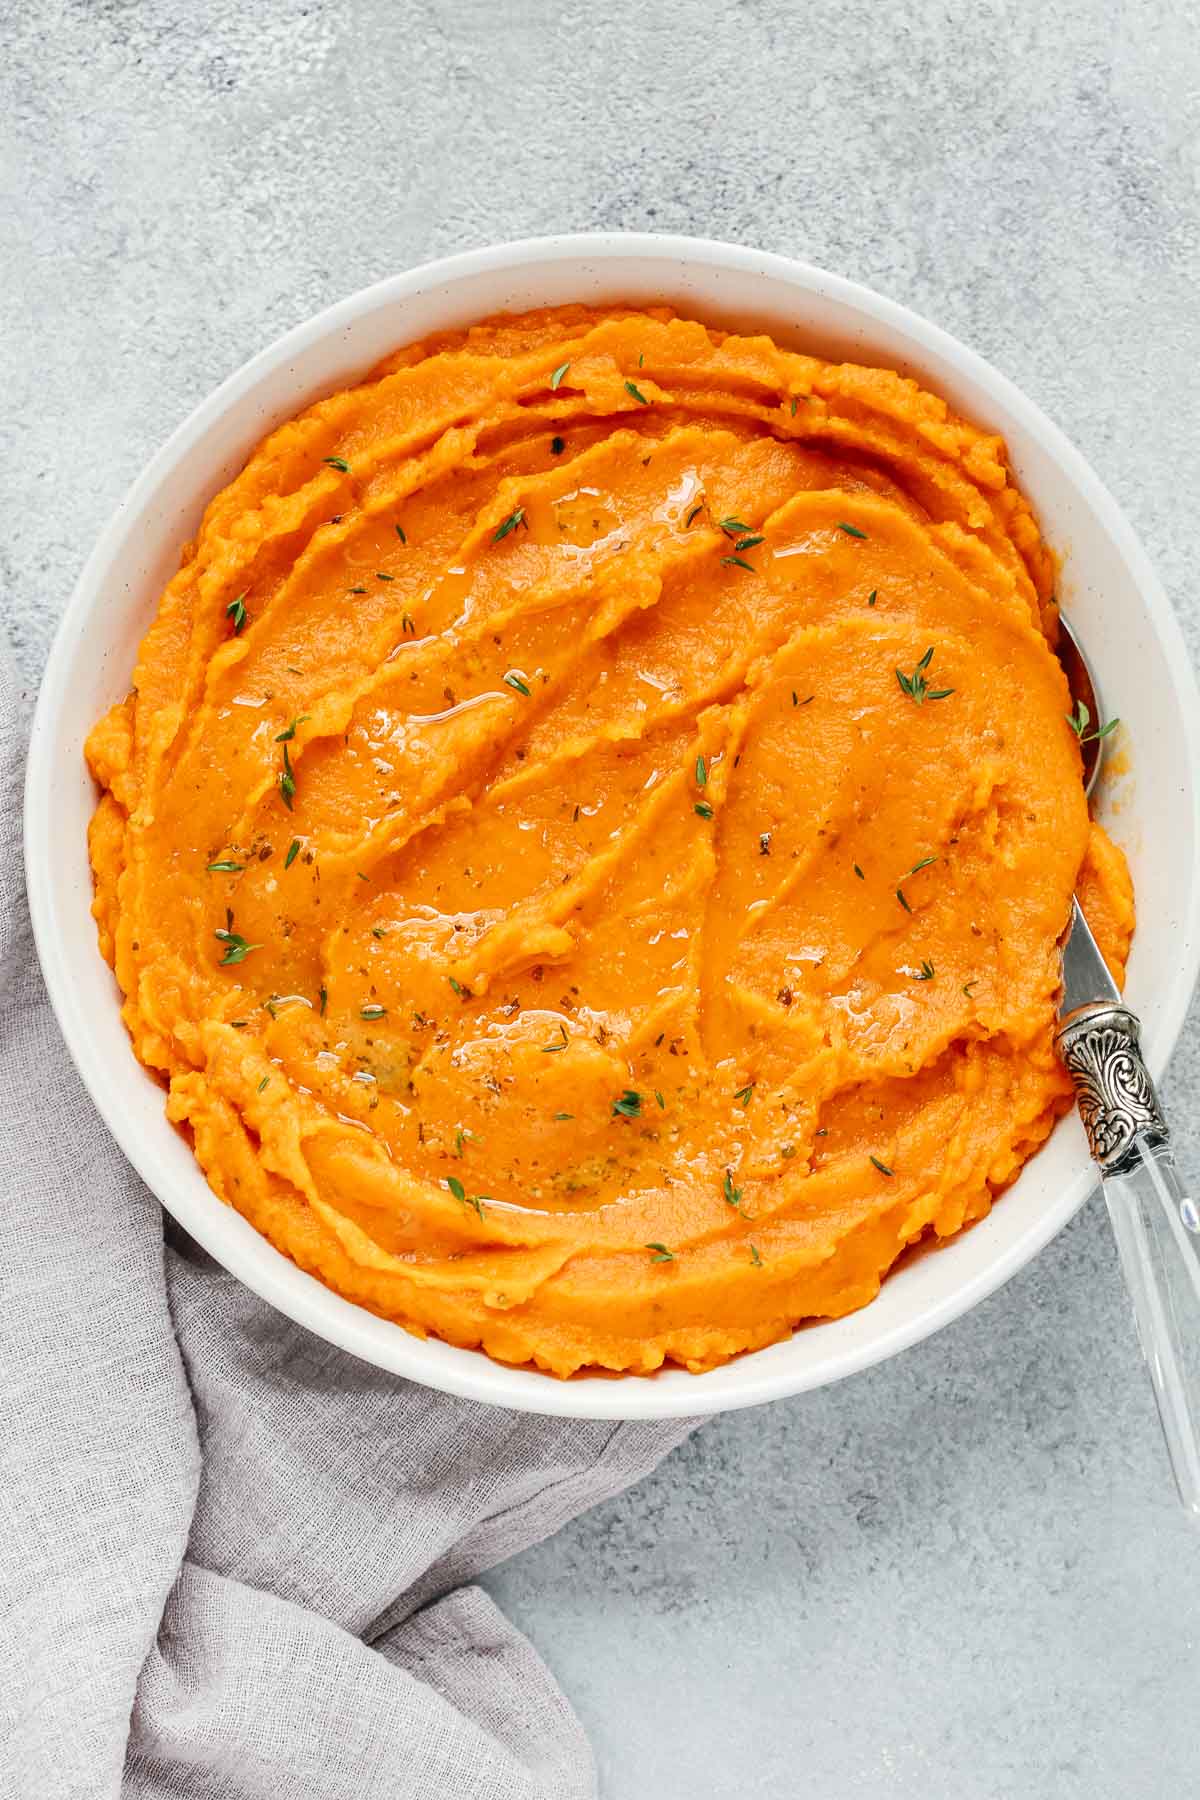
{"x":1156,"y":1225}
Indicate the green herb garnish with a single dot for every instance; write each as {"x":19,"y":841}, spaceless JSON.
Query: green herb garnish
{"x":263,"y":1083}
{"x":743,"y":1095}
{"x":236,"y":610}
{"x":631,"y":387}
{"x":514,"y":681}
{"x":732,"y":1195}
{"x":557,"y":446}
{"x":850,"y":530}
{"x":738,"y":562}
{"x":292,"y":853}
{"x":372,"y":1011}
{"x":236,"y":947}
{"x":556,"y":1049}
{"x":225,"y":868}
{"x":734,"y":527}
{"x":287,"y":780}
{"x":558,"y":374}
{"x":916,"y":686}
{"x":871,"y":596}
{"x":460,"y":1193}
{"x":515,"y":518}
{"x":925,"y":863}
{"x":337,"y":462}
{"x":903,"y":899}
{"x":703,"y":808}
{"x":629,"y":1106}
{"x":660,"y":1100}
{"x":285,"y":737}
{"x":323,"y":1000}
{"x":881,"y":1166}
{"x":698,"y":508}
{"x":858,"y":871}
{"x":1081,"y":718}
{"x":755,"y":1258}
{"x":456,"y":985}
{"x":925,"y":973}
{"x":701,"y":772}
{"x":400,"y":534}
{"x":748,"y":543}
{"x":661,"y":1253}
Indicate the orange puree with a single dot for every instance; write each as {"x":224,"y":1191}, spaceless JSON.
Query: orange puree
{"x":587,"y":841}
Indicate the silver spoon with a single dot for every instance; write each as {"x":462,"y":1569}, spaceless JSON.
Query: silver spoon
{"x":1156,"y":1225}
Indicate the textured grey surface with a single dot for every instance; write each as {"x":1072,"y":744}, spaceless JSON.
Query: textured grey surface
{"x":961,"y":1574}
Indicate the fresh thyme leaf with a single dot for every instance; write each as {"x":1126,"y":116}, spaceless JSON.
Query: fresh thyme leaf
{"x":903,"y":899}
{"x":858,"y":871}
{"x":926,"y":971}
{"x":748,"y":543}
{"x":224,"y":868}
{"x":337,"y":462}
{"x":661,"y":1253}
{"x":795,"y":404}
{"x":916,"y":686}
{"x":850,"y":530}
{"x":557,"y":1049}
{"x":881,"y":1166}
{"x":408,"y":625}
{"x":380,"y":576}
{"x":514,"y":681}
{"x":968,"y":985}
{"x":557,"y":446}
{"x":698,"y":508}
{"x":631,"y":387}
{"x":361,"y":876}
{"x":1082,"y":718}
{"x":755,"y":1258}
{"x":871,"y":596}
{"x":925,"y":863}
{"x":629,"y":1106}
{"x":236,"y":611}
{"x":456,"y":1188}
{"x":701,"y":772}
{"x":660,"y":1100}
{"x":265,"y":1082}
{"x":372,"y":1011}
{"x":743,"y":1095}
{"x":558,"y":374}
{"x":285,"y":737}
{"x":456,"y":985}
{"x":236,"y":947}
{"x":703,"y":808}
{"x":400,"y":534}
{"x":641,"y":358}
{"x":287,"y":780}
{"x":734,"y":527}
{"x":564,"y":1115}
{"x":515,"y":518}
{"x":356,"y":590}
{"x":378,"y":931}
{"x":292,"y":853}
{"x":732,"y":1195}
{"x":323,"y":999}
{"x":737,"y":562}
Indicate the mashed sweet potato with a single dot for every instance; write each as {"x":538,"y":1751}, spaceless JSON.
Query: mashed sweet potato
{"x":587,"y":841}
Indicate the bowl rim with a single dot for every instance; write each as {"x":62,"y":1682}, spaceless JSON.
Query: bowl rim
{"x":275,"y":1278}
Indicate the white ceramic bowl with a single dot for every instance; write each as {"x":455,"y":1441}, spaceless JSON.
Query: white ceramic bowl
{"x":1108,"y":587}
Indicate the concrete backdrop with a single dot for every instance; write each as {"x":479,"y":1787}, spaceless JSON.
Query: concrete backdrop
{"x":962,"y":1574}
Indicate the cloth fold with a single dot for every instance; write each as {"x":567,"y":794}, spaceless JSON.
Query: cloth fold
{"x":234,"y":1557}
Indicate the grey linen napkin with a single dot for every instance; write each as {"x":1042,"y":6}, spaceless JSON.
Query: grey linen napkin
{"x":233,"y":1559}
